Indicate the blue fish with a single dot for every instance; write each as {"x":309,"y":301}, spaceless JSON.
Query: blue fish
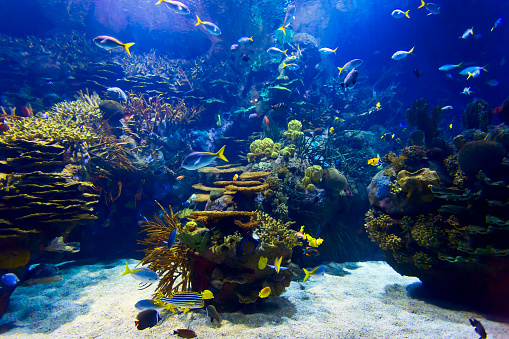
{"x":8,"y":280}
{"x":317,"y":272}
{"x":171,"y":238}
{"x":247,"y":245}
{"x":402,"y":125}
{"x":143,"y":274}
{"x":197,"y":160}
{"x":277,"y":265}
{"x":147,"y":304}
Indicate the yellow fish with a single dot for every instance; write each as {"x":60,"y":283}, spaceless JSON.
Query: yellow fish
{"x":331,"y":130}
{"x":262,"y":263}
{"x":378,"y":106}
{"x":313,"y":242}
{"x":450,"y":126}
{"x":374,"y":162}
{"x":265,"y":292}
{"x":235,"y":177}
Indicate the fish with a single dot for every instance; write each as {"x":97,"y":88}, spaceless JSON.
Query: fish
{"x":216,"y":284}
{"x":448,"y":76}
{"x":185,"y":300}
{"x":262,"y":263}
{"x":430,"y":7}
{"x":197,"y":160}
{"x":331,"y":130}
{"x":316,"y":272}
{"x":233,"y":47}
{"x":497,"y":23}
{"x":446,"y":108}
{"x":180,"y":177}
{"x":497,"y":110}
{"x":4,"y":127}
{"x":387,"y":136}
{"x":266,"y":120}
{"x":120,"y":93}
{"x":402,"y":54}
{"x":147,"y":319}
{"x":467,"y":91}
{"x":8,"y":280}
{"x":467,"y":33}
{"x":171,"y":238}
{"x":279,"y":107}
{"x":143,"y":274}
{"x":474,"y":74}
{"x":235,"y":177}
{"x":277,"y":265}
{"x":448,"y":67}
{"x":288,"y":14}
{"x":58,"y":245}
{"x":350,"y":79}
{"x":299,"y":52}
{"x":402,"y":125}
{"x":492,"y":82}
{"x":326,"y":50}
{"x":350,"y":65}
{"x":245,"y":57}
{"x":246,"y":245}
{"x":212,"y":314}
{"x":275,"y":52}
{"x":176,"y":6}
{"x":185,"y":333}
{"x":398,"y":14}
{"x":311,"y":252}
{"x":208,"y":26}
{"x":27,"y":111}
{"x":375,"y":161}
{"x":378,"y":106}
{"x":108,"y":43}
{"x":293,"y":66}
{"x":450,"y":126}
{"x":472,"y":69}
{"x":245,"y":39}
{"x":42,"y":115}
{"x":479,"y":328}
{"x":417,"y":73}
{"x":147,"y":304}
{"x":265,"y":292}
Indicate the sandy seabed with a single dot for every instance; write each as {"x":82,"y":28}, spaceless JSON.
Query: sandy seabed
{"x":352,"y":300}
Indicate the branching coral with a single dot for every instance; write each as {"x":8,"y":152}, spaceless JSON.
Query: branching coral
{"x":273,"y":232}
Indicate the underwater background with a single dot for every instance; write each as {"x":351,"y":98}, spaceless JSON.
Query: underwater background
{"x":239,"y":147}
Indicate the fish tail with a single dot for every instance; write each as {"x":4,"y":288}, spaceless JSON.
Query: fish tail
{"x":159,"y":2}
{"x":251,"y":38}
{"x":406,"y":13}
{"x":126,"y":47}
{"x":335,"y":50}
{"x":127,"y":270}
{"x":282,"y":28}
{"x":411,"y":51}
{"x":340,"y":70}
{"x":458,"y":65}
{"x":422,"y":4}
{"x":469,"y":75}
{"x":307,"y":273}
{"x":484,"y":68}
{"x":285,"y":52}
{"x":284,"y":65}
{"x":199,"y":21}
{"x":220,"y":154}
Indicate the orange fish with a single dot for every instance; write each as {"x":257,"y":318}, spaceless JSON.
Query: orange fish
{"x":180,"y":177}
{"x":497,"y":110}
{"x":267,"y":121}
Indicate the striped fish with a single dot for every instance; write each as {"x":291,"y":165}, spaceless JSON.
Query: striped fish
{"x":247,"y":245}
{"x":183,"y":300}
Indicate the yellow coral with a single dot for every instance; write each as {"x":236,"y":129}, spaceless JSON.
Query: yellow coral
{"x":293,"y":132}
{"x":416,"y":185}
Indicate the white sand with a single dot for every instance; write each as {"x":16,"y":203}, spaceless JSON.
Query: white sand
{"x":365,"y":300}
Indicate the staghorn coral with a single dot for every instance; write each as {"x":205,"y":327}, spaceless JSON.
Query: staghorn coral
{"x":416,"y":185}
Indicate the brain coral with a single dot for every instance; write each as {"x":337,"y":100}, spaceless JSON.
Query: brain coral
{"x":483,"y":155}
{"x":416,"y":184}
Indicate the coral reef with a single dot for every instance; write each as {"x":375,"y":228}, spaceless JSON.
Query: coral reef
{"x":482,"y":155}
{"x":477,"y":115}
{"x":419,"y":117}
{"x":294,"y":130}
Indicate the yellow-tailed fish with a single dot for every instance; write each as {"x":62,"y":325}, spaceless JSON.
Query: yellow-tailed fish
{"x":108,"y":42}
{"x":319,"y":271}
{"x":142,"y":274}
{"x":235,"y":177}
{"x":197,"y":160}
{"x":450,"y":126}
{"x":176,"y":6}
{"x":265,"y":292}
{"x":277,"y":265}
{"x":374,"y":162}
{"x":208,"y":26}
{"x":312,"y":241}
{"x":331,"y":130}
{"x":378,"y":105}
{"x":262,"y":263}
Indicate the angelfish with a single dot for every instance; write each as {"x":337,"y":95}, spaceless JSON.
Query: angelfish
{"x":108,"y":43}
{"x":197,"y":160}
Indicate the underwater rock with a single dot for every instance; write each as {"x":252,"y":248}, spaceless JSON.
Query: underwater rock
{"x":333,"y":180}
{"x":305,"y":40}
{"x":112,"y":111}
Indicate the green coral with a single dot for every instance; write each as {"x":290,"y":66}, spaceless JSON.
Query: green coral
{"x":315,"y":173}
{"x":229,"y":243}
{"x":424,"y":230}
{"x":293,"y":132}
{"x":273,"y":232}
{"x":196,"y":240}
{"x":266,"y":146}
{"x":422,"y":260}
{"x":310,"y":187}
{"x":477,"y":115}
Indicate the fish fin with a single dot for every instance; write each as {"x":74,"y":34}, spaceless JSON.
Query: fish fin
{"x":285,"y":52}
{"x":199,"y":21}
{"x":251,"y":38}
{"x":127,"y":270}
{"x":484,"y":69}
{"x":282,"y":28}
{"x":406,"y":13}
{"x":469,"y":75}
{"x":159,"y":2}
{"x":340,"y":70}
{"x":284,"y":65}
{"x":411,"y":51}
{"x":220,"y":154}
{"x":335,"y":50}
{"x":126,"y":47}
{"x":458,"y":65}
{"x":422,"y":4}
{"x":308,"y":274}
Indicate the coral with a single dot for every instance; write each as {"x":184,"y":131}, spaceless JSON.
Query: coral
{"x":422,"y":260}
{"x":477,"y":115}
{"x":250,"y":189}
{"x":483,"y":155}
{"x":217,"y":170}
{"x":293,"y":132}
{"x":237,"y":183}
{"x":416,"y":184}
{"x":253,"y":175}
{"x":288,"y":151}
{"x":413,"y":154}
{"x":424,"y":230}
{"x":377,"y":223}
{"x":381,"y":183}
{"x":266,"y":147}
{"x":274,"y":232}
{"x":310,"y":188}
{"x":395,"y":163}
{"x":315,"y":173}
{"x":333,"y":180}
{"x":418,"y":116}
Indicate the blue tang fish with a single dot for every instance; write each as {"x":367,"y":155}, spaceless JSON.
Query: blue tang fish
{"x":197,"y":160}
{"x":8,"y":280}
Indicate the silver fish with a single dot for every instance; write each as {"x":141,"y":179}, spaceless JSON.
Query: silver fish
{"x":197,"y":160}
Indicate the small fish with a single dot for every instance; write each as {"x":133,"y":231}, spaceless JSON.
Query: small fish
{"x":378,"y":106}
{"x":42,"y":115}
{"x":402,"y":125}
{"x":245,"y":57}
{"x":375,"y":161}
{"x":235,"y":177}
{"x":262,"y":263}
{"x":311,"y":252}
{"x":292,"y":66}
{"x":279,"y":107}
{"x":467,"y":33}
{"x":176,"y":6}
{"x":350,"y":79}
{"x":233,"y":47}
{"x":216,"y":284}
{"x":472,"y":69}
{"x":247,"y":245}
{"x":446,"y":108}
{"x":277,"y":265}
{"x":497,"y":110}
{"x":186,"y":300}
{"x":212,"y":314}
{"x":8,"y":280}
{"x":275,"y":52}
{"x":331,"y":130}
{"x":448,"y":67}
{"x":185,"y":333}
{"x":149,"y":159}
{"x":430,"y":7}
{"x":497,"y":23}
{"x":448,"y":76}
{"x":27,"y":111}
{"x":450,"y":126}
{"x":266,"y":120}
{"x":350,"y":65}
{"x":402,"y":54}
{"x":208,"y":26}
{"x":197,"y":160}
{"x":147,"y":304}
{"x":326,"y":50}
{"x":120,"y":93}
{"x":265,"y":292}
{"x":180,"y":177}
{"x":492,"y":82}
{"x":317,"y":272}
{"x":142,"y":274}
{"x":171,"y":238}
{"x":245,"y":39}
{"x":288,"y":15}
{"x":417,"y":73}
{"x":108,"y":43}
{"x":479,"y":328}
{"x":387,"y":136}
{"x":467,"y":91}
{"x":398,"y":14}
{"x":147,"y":319}
{"x":193,"y":197}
